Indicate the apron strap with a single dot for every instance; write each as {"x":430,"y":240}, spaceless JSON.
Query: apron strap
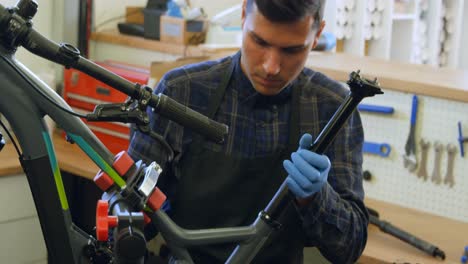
{"x":219,"y":93}
{"x":294,"y":121}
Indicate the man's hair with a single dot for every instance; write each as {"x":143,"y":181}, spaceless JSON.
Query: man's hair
{"x":289,"y":10}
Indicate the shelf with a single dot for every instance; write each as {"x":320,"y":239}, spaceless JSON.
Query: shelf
{"x":114,"y":37}
{"x":401,"y":37}
{"x":426,"y":80}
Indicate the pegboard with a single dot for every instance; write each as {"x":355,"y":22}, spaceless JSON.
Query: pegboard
{"x":436,"y":121}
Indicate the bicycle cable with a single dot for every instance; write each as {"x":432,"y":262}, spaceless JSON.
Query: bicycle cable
{"x":43,"y":94}
{"x":11,"y":138}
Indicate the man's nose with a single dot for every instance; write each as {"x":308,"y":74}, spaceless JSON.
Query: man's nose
{"x":272,"y":62}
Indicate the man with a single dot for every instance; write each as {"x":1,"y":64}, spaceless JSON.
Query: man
{"x":268,"y":100}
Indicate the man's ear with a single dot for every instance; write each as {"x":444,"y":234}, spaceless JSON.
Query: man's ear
{"x":244,"y":12}
{"x":318,"y":33}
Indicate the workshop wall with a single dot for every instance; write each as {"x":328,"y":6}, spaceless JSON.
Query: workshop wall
{"x":21,"y":240}
{"x":436,"y":121}
{"x":464,"y":51}
{"x":43,"y":22}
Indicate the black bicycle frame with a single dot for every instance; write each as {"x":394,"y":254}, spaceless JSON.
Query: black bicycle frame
{"x":23,"y":102}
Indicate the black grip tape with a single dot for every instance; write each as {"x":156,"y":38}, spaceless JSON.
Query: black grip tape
{"x":189,"y":118}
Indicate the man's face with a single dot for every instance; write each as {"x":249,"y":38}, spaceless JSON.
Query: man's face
{"x":273,"y":54}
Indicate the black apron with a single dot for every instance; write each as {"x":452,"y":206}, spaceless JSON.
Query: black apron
{"x":216,"y":190}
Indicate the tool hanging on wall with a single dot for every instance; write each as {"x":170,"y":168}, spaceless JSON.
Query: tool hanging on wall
{"x":387,"y":110}
{"x":422,"y":171}
{"x":381,"y":149}
{"x":461,"y":139}
{"x":438,"y":149}
{"x":451,"y":153}
{"x":409,"y":158}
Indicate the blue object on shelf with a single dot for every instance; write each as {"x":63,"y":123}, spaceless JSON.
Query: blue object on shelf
{"x":376,"y":109}
{"x":326,"y":41}
{"x":173,"y":10}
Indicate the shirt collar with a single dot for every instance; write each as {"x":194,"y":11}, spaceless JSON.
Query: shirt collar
{"x":247,"y":93}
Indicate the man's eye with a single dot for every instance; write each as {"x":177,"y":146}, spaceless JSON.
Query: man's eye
{"x":260,"y":42}
{"x":293,"y":50}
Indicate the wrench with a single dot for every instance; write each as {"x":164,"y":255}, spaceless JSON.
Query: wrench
{"x":436,"y":178}
{"x":409,"y":158}
{"x":451,"y":152}
{"x":422,"y":172}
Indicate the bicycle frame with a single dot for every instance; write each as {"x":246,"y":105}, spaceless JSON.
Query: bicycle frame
{"x":23,"y":104}
{"x":25,"y":109}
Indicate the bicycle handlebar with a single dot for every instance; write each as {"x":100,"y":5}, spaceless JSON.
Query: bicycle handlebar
{"x":18,"y":32}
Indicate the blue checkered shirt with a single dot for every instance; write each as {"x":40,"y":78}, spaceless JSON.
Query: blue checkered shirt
{"x":336,"y":220}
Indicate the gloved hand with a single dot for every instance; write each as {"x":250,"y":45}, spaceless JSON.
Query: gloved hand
{"x":308,"y":171}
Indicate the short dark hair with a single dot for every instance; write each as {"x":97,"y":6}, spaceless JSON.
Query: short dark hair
{"x":289,"y":10}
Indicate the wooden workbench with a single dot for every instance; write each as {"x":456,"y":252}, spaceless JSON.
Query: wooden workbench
{"x":70,"y":158}
{"x":447,"y":234}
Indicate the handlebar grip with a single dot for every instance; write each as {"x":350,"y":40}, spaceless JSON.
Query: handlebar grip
{"x":187,"y":117}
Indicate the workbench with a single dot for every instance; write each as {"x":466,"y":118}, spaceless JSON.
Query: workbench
{"x":447,"y":234}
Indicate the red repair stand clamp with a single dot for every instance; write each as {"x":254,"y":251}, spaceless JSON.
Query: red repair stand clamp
{"x":155,"y":202}
{"x":122,"y":164}
{"x":104,"y":221}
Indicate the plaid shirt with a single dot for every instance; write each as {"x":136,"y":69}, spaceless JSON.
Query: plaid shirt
{"x":336,"y":220}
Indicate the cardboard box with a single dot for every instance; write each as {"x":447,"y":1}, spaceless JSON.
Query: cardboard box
{"x":180,"y":31}
{"x":134,"y":14}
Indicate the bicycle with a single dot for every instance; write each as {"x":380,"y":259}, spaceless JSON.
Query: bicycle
{"x":129,"y":188}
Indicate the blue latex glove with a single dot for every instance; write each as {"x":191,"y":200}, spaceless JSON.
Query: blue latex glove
{"x":308,"y":171}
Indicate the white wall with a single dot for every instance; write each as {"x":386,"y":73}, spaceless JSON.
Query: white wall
{"x":44,"y":23}
{"x":463,"y":64}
